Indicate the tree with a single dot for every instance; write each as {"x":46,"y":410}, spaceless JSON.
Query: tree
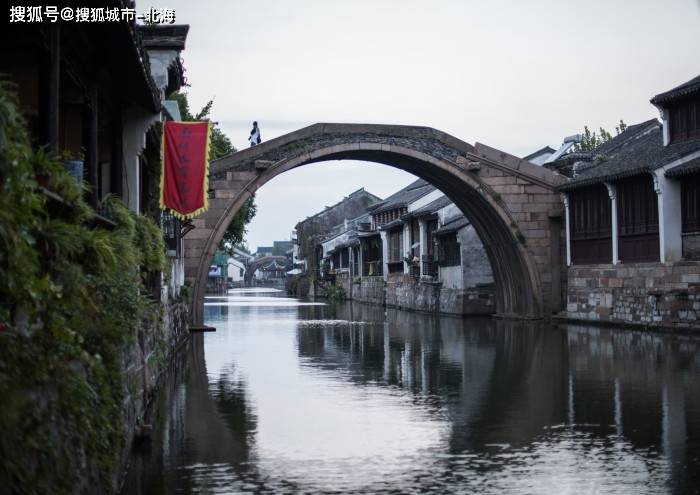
{"x":591,"y":140}
{"x":236,"y":231}
{"x":220,"y":146}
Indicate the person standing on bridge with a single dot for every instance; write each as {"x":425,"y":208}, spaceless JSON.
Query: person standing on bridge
{"x":254,"y":135}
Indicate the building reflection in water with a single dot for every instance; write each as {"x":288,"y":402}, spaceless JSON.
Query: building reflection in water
{"x":492,"y":405}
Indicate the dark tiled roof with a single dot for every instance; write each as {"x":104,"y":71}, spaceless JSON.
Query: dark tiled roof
{"x":686,"y":168}
{"x":403,"y":197}
{"x":392,"y":225}
{"x":643,"y":151}
{"x":685,"y":89}
{"x":604,"y":149}
{"x":352,"y":195}
{"x":616,"y":142}
{"x":432,"y":207}
{"x":453,"y":225}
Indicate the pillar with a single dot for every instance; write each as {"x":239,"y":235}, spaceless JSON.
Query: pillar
{"x":565,"y":200}
{"x":612,"y":194}
{"x":406,"y":245}
{"x":385,"y":253}
{"x":668,"y":192}
{"x":360,"y":261}
{"x":91,"y":155}
{"x":115,"y":180}
{"x":54,"y":85}
{"x":423,"y":234}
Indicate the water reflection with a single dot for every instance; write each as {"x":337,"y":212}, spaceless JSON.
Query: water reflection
{"x":290,"y":397}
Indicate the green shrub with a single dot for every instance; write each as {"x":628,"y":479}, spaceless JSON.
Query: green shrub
{"x":71,"y":298}
{"x":335,"y":293}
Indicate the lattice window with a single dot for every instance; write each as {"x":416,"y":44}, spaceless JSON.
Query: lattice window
{"x":449,"y":252}
{"x":638,"y":219}
{"x":684,"y":119}
{"x":395,"y":247}
{"x":690,"y":203}
{"x":591,"y":225}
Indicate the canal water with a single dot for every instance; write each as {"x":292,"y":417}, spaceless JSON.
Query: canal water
{"x":291,"y":396}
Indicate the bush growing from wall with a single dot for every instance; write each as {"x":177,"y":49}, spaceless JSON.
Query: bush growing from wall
{"x":71,"y":298}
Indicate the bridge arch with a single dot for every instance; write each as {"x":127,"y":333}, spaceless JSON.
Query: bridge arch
{"x":256,"y":263}
{"x":511,"y":203}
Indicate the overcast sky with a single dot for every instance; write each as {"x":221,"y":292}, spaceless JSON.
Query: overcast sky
{"x":513,"y":74}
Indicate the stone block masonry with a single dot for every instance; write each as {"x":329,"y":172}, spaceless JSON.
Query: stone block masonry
{"x":144,"y":361}
{"x":403,"y":292}
{"x":665,"y":295}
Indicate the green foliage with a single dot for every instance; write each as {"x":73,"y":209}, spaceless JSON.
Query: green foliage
{"x":71,"y":299}
{"x":591,"y":140}
{"x":220,"y":146}
{"x":236,"y":231}
{"x":335,"y":293}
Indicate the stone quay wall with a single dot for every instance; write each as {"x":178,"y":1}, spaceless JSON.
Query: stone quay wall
{"x":403,"y":292}
{"x":157,"y":342}
{"x":643,"y":294}
{"x":371,"y":290}
{"x":429,"y":296}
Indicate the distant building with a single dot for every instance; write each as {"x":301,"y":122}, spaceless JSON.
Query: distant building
{"x":280,"y":248}
{"x":414,"y":250}
{"x":235,"y":272}
{"x":540,"y":156}
{"x":263,"y":251}
{"x":309,"y":232}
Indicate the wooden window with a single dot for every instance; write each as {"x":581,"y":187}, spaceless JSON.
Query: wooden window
{"x":371,"y":257}
{"x":395,"y":251}
{"x":415,"y":238}
{"x":638,"y":219}
{"x":344,"y":258}
{"x":684,"y":119}
{"x":449,"y":252}
{"x":430,"y":228}
{"x":690,"y":203}
{"x":591,"y":225}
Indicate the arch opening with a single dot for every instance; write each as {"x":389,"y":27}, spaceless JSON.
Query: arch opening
{"x":517,"y":275}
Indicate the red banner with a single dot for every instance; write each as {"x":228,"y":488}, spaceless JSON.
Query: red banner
{"x":184,"y":180}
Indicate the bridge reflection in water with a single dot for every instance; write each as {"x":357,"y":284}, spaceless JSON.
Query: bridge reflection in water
{"x":291,"y":396}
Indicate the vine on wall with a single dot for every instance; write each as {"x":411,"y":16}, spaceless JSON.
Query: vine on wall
{"x":70,"y":302}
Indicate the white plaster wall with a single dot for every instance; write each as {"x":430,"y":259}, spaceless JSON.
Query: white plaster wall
{"x":160,"y":60}
{"x":424,"y":200}
{"x":234,"y":270}
{"x":451,"y":277}
{"x":476,"y":268}
{"x":670,"y":218}
{"x":137,"y":121}
{"x":448,"y":213}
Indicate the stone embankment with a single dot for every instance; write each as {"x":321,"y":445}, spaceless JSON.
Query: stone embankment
{"x":643,"y":294}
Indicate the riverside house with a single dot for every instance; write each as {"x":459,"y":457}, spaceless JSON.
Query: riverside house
{"x":632,"y":219}
{"x":414,"y":250}
{"x":95,"y":93}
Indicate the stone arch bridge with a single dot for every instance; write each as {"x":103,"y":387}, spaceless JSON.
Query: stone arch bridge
{"x":511,"y":203}
{"x":254,"y":264}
